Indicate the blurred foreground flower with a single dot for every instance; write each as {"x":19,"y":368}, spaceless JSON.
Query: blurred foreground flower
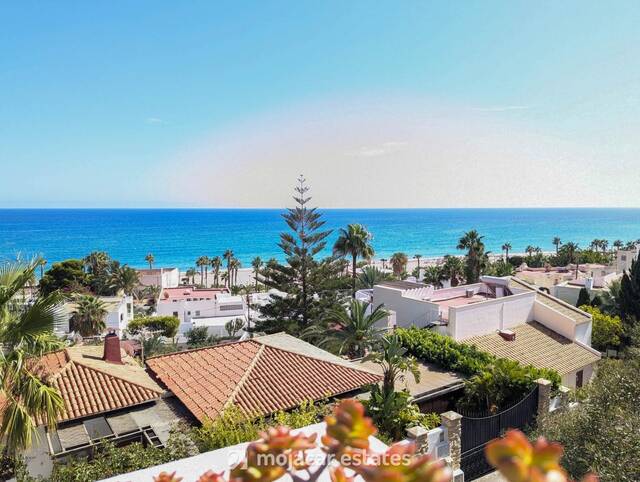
{"x":519,"y":461}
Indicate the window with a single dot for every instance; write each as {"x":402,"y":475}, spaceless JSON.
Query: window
{"x":230,"y":307}
{"x":175,"y":314}
{"x":197,"y":312}
{"x":121,"y":317}
{"x":579,"y":379}
{"x":623,"y":257}
{"x":188,"y":313}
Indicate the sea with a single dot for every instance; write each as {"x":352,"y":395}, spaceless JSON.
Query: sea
{"x":176,"y":237}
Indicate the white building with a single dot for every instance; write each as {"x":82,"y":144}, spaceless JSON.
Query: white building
{"x":162,"y":277}
{"x":119,"y":313}
{"x":504,"y":316}
{"x":624,"y":258}
{"x":211,"y":307}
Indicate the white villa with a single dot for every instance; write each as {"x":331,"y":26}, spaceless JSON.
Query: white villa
{"x":210,"y":307}
{"x":504,"y":316}
{"x":119,"y":313}
{"x":162,"y":277}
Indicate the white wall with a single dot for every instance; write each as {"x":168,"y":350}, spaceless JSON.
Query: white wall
{"x":489,"y":316}
{"x":37,"y":458}
{"x":409,"y":311}
{"x":185,"y":311}
{"x":165,"y":278}
{"x":555,"y":320}
{"x":120,"y":315}
{"x":567,"y":293}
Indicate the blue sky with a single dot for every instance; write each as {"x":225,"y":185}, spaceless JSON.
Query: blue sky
{"x":429,"y":104}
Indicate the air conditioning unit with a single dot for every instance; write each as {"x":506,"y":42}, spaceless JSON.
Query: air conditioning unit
{"x":469,"y":293}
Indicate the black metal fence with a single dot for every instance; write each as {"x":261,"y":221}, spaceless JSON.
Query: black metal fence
{"x":478,"y":431}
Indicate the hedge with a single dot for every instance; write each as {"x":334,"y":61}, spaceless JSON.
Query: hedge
{"x":167,"y":325}
{"x":449,"y":354}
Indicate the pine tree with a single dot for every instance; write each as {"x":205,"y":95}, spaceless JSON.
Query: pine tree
{"x":630,"y":294}
{"x":312,"y":286}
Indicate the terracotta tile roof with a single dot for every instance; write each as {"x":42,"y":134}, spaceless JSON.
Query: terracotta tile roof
{"x":539,"y":346}
{"x":259,"y":378}
{"x":566,"y":309}
{"x":87,"y":390}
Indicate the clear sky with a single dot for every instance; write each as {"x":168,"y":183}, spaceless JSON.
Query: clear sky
{"x":379,"y":104}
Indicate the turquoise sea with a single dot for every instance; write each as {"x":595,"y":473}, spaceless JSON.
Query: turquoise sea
{"x":178,"y":236}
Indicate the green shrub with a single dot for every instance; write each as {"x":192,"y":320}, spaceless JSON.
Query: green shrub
{"x":167,"y":325}
{"x":444,"y":351}
{"x":395,"y":413}
{"x":606,"y":331}
{"x":491,"y":386}
{"x":233,"y":426}
{"x":601,"y":434}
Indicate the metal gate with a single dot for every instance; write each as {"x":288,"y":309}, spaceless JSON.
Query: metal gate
{"x":477,"y":431}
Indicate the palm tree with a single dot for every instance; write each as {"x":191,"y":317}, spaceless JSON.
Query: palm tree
{"x":556,"y":242}
{"x":618,"y":244}
{"x":572,"y":250}
{"x":371,"y":276}
{"x":506,"y":247}
{"x":228,"y":256}
{"x":149,"y":258}
{"x":26,"y":332}
{"x":191,"y":274}
{"x":349,"y":331}
{"x":529,"y":250}
{"x":96,"y":262}
{"x":200,"y":262}
{"x":476,"y":256}
{"x":225,"y":278}
{"x":417,"y":257}
{"x":355,"y":241}
{"x":604,"y":244}
{"x":384,"y":263}
{"x":233,"y":266}
{"x":256,"y":264}
{"x":434,"y":276}
{"x":395,"y":363}
{"x":124,"y":278}
{"x":595,"y":244}
{"x":216,"y":263}
{"x":453,"y":269}
{"x":399,"y":263}
{"x":88,"y":318}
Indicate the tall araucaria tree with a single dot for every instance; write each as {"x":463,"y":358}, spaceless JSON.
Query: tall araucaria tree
{"x":310,"y":286}
{"x":355,"y":241}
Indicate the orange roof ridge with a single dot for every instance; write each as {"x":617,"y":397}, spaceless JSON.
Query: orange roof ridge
{"x":201,"y":348}
{"x":308,"y":355}
{"x":246,"y":375}
{"x":104,"y":372}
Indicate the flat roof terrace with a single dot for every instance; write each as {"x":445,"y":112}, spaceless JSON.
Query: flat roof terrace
{"x":187,"y":293}
{"x":460,"y":300}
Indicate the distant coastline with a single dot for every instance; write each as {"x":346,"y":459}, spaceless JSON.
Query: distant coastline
{"x":178,"y":236}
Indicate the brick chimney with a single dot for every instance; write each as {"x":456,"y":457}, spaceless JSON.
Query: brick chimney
{"x":112,"y":349}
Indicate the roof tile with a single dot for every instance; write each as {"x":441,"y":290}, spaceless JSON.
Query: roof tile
{"x":259,"y":378}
